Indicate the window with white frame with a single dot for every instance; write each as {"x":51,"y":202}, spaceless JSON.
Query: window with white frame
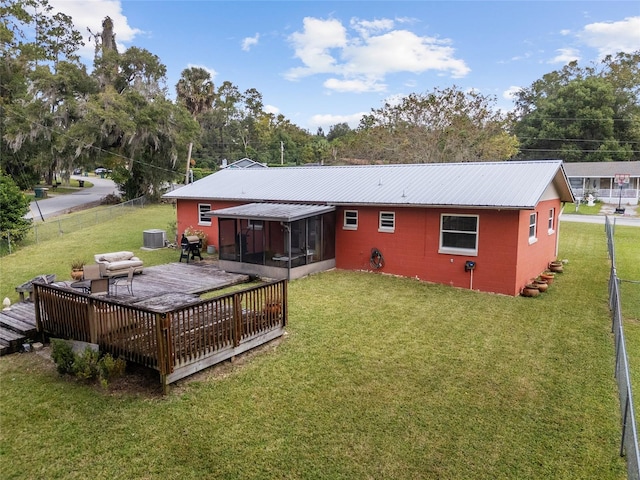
{"x":387,"y":222}
{"x":459,"y":234}
{"x":533,"y":220}
{"x":350,"y":220}
{"x":552,"y":214}
{"x":202,"y":209}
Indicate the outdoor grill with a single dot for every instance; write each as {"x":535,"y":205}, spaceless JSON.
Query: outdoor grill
{"x":190,"y":247}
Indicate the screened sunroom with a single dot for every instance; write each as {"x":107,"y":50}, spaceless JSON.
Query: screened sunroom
{"x":276,"y":240}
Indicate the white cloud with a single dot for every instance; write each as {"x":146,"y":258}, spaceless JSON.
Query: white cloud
{"x":565,"y":55}
{"x":312,"y":46}
{"x":354,"y":85}
{"x":326,"y":121}
{"x":210,"y":70}
{"x":367,"y":27}
{"x":565,"y":32}
{"x":511,"y":92}
{"x":612,"y":37}
{"x":363,"y":56}
{"x":271,"y":109}
{"x":249,"y":42}
{"x":90,"y":14}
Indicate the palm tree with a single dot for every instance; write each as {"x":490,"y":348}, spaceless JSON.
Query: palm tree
{"x":196,"y":91}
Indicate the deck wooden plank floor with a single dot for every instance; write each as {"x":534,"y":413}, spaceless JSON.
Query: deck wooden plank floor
{"x":171,"y":284}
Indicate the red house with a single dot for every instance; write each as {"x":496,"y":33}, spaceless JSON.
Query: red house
{"x":484,"y":226}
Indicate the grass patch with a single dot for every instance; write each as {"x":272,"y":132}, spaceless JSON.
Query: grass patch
{"x":55,"y":256}
{"x":231,"y":289}
{"x":378,"y":377}
{"x":585,"y":209}
{"x":627,"y":242}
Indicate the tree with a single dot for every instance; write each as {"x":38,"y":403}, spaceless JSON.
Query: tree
{"x":44,"y":86}
{"x":446,"y":125}
{"x":129,"y":125}
{"x":196,"y":92}
{"x":582,"y":114}
{"x":13,"y":207}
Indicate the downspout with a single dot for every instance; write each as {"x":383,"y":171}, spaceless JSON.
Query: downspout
{"x":558,"y":230}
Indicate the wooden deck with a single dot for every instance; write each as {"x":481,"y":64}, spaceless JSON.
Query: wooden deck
{"x":158,"y":288}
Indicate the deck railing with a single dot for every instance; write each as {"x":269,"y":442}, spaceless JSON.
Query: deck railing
{"x":176,"y":342}
{"x":629,"y":443}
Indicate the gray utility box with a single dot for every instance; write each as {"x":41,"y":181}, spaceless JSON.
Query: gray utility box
{"x":153,"y":238}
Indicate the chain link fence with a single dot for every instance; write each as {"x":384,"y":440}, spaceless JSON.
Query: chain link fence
{"x":39,"y":232}
{"x":629,"y":444}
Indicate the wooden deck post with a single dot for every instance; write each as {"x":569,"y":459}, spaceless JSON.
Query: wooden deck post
{"x":237,"y":319}
{"x":285,"y":302}
{"x":164,"y":349}
{"x":91,"y":319}
{"x":36,"y":301}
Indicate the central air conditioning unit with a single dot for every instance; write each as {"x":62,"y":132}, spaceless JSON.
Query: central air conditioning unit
{"x":153,"y":238}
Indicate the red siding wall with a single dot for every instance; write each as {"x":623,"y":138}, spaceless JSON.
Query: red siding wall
{"x":504,"y":264}
{"x":535,"y":257}
{"x":505,"y":260}
{"x":188,"y":216}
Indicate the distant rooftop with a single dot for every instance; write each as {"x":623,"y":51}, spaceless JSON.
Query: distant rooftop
{"x":601,"y":169}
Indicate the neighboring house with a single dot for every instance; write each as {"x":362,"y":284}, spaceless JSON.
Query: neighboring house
{"x":484,"y":226}
{"x":243,"y":163}
{"x":600,"y":180}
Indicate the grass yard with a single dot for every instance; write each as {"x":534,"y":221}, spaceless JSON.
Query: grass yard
{"x":627,"y":240}
{"x":378,"y":377}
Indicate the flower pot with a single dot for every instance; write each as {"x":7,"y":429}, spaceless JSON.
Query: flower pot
{"x":77,"y":274}
{"x":530,"y":290}
{"x":542,"y":285}
{"x":547,"y":277}
{"x":556,"y":267}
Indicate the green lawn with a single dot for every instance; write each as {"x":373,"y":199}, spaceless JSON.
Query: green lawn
{"x":377,"y":377}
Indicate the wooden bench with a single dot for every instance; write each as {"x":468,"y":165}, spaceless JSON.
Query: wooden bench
{"x":27,"y":287}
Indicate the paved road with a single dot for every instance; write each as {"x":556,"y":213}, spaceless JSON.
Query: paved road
{"x":60,"y":204}
{"x":627,"y":221}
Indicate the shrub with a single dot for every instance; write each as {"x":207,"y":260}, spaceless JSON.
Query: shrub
{"x":89,"y":365}
{"x":111,"y":368}
{"x":63,"y":356}
{"x":86,"y":365}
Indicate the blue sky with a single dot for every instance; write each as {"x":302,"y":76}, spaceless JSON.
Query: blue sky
{"x":323,"y":62}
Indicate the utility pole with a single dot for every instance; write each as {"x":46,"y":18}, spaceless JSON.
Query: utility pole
{"x":281,"y":153}
{"x":186,"y":177}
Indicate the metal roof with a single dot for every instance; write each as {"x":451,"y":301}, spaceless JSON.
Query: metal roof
{"x":283,"y":212}
{"x":518,"y":185}
{"x":601,"y":169}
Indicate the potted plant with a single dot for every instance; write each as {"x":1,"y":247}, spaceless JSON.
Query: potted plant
{"x":548,"y":276}
{"x":541,"y":284}
{"x":530,"y":290}
{"x":77,"y":267}
{"x":556,"y":266}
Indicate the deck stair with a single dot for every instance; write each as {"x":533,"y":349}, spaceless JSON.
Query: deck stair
{"x":17,"y":326}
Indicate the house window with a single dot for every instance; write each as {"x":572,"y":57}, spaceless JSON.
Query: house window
{"x":533,"y":218}
{"x":459,"y":234}
{"x":202,"y":209}
{"x":552,"y":212}
{"x":350,"y":220}
{"x":387,"y":222}
{"x":254,"y":224}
